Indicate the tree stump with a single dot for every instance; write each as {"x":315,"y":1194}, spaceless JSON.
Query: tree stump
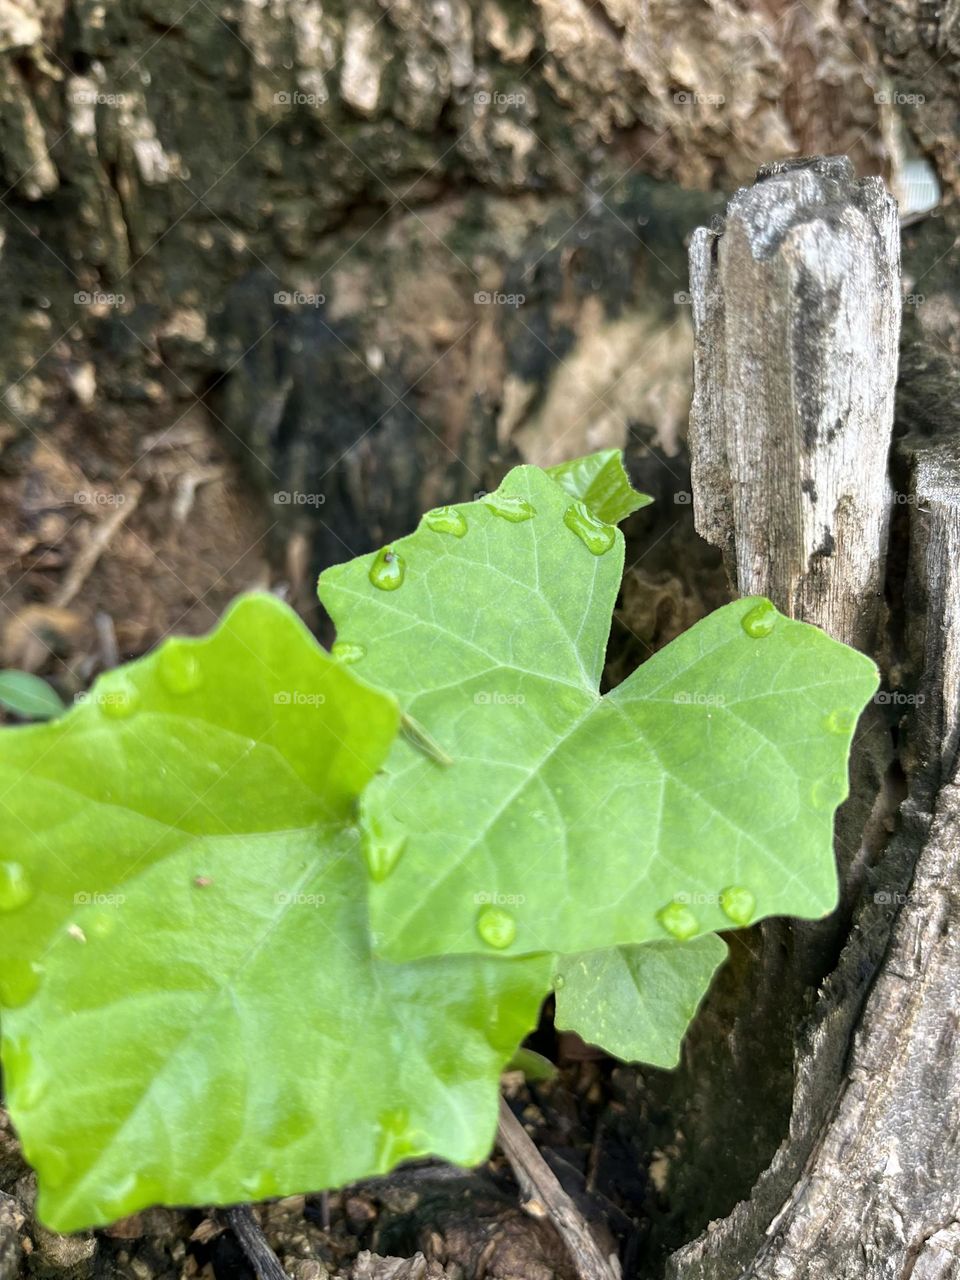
{"x":795,"y":371}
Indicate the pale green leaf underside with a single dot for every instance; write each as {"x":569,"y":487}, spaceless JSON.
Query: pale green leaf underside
{"x":719,"y":763}
{"x":600,"y":481}
{"x":192,"y":1013}
{"x":637,"y":1002}
{"x":29,"y":696}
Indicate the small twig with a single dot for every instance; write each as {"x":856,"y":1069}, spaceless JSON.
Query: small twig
{"x":418,"y":737}
{"x":254,"y":1243}
{"x":95,"y":546}
{"x":543,"y":1197}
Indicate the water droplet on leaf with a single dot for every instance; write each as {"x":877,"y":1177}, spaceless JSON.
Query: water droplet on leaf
{"x":841,"y":721}
{"x":596,"y":536}
{"x":738,"y":904}
{"x":180,"y":670}
{"x":678,"y":920}
{"x":119,"y":702}
{"x":446,"y":520}
{"x":346,"y":652}
{"x":559,"y":982}
{"x":760,"y":620}
{"x":496,"y":927}
{"x":382,"y":852}
{"x":510,"y":507}
{"x":388,"y":569}
{"x":16,"y":889}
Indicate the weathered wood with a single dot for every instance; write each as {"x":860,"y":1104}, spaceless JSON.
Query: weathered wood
{"x":544,"y":1197}
{"x":254,"y":1243}
{"x":797,"y":318}
{"x":935,"y":580}
{"x":11,"y":1221}
{"x":884,"y":1177}
{"x":866,"y":1185}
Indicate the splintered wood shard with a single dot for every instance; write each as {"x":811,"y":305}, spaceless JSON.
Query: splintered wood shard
{"x":796,"y":305}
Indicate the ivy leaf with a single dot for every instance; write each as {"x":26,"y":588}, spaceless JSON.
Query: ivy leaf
{"x":191,"y":1010}
{"x":600,"y":481}
{"x":570,"y":822}
{"x":28,"y":696}
{"x":637,"y":1002}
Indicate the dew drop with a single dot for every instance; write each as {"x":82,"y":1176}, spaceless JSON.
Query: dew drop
{"x":346,"y":652}
{"x":760,"y":620}
{"x":559,"y":982}
{"x":738,"y":904}
{"x":510,"y":507}
{"x":119,"y":702}
{"x":382,"y":852}
{"x":841,"y":721}
{"x":16,"y":889}
{"x":828,"y":792}
{"x":496,"y":927}
{"x":19,"y":983}
{"x":446,"y":520}
{"x":678,"y":920}
{"x":388,"y":569}
{"x":596,"y":536}
{"x":180,"y":670}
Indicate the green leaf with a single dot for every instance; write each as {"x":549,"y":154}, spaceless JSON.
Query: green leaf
{"x":28,"y":696}
{"x":570,"y":822}
{"x":533,"y":1065}
{"x":637,"y":1002}
{"x":600,"y":481}
{"x":191,"y":1010}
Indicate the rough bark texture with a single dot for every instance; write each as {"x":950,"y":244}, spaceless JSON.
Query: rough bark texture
{"x":919,"y":48}
{"x":402,"y":161}
{"x":868,"y":1176}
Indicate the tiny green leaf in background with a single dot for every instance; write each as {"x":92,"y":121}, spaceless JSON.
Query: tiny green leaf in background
{"x":600,"y":481}
{"x":28,"y":696}
{"x":637,"y":1002}
{"x":190,"y":1009}
{"x":566,"y":821}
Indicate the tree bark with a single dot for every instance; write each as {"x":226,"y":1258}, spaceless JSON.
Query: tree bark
{"x":869,"y":1177}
